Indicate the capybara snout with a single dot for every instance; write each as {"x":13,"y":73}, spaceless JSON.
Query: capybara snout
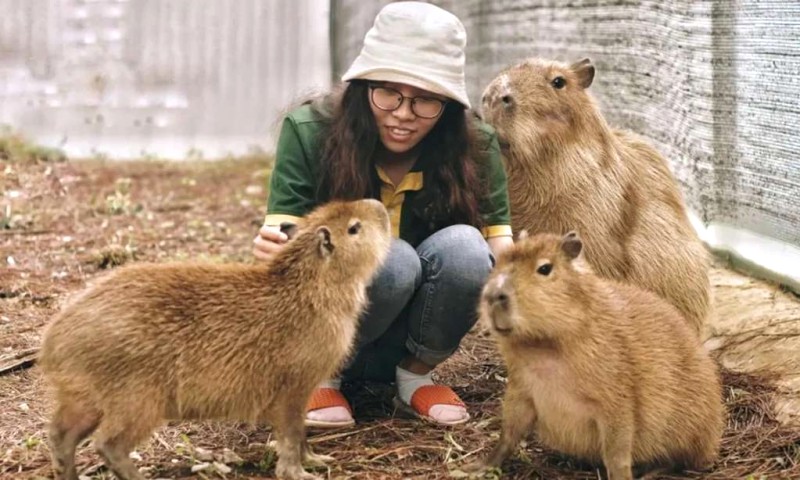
{"x":495,"y":293}
{"x":497,"y":298}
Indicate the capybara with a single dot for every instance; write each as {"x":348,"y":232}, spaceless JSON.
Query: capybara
{"x":156,"y":342}
{"x":567,"y":169}
{"x":599,"y":369}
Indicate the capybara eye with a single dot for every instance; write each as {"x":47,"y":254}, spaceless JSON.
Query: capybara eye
{"x":354,"y":228}
{"x":507,"y":100}
{"x":559,"y":82}
{"x":545,"y":269}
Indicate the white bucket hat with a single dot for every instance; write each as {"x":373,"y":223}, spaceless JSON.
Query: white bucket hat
{"x":418,"y":44}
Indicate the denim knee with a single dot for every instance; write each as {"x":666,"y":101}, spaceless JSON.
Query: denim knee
{"x":456,"y":262}
{"x":390,"y":291}
{"x":459,"y":253}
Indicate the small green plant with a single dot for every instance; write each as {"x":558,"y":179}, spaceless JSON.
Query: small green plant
{"x":114,"y":256}
{"x":119,"y":202}
{"x":31,"y":442}
{"x":267,"y":462}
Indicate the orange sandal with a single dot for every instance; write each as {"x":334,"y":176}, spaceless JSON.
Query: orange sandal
{"x":327,"y":398}
{"x":426,"y":397}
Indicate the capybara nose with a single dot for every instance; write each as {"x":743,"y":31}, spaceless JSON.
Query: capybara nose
{"x":497,"y":97}
{"x":495,"y":293}
{"x":497,"y":299}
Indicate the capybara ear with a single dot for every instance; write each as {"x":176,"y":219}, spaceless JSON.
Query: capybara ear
{"x":522,"y":235}
{"x":289,"y":228}
{"x":584,"y":70}
{"x":572,"y":245}
{"x":324,"y":239}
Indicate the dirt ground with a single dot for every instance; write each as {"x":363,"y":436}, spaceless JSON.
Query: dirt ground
{"x":63,"y":223}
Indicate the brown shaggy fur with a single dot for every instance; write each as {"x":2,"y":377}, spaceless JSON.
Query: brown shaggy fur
{"x":189,"y":342}
{"x":601,"y":370}
{"x":568,"y":170}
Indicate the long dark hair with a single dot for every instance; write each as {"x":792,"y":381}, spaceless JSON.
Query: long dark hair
{"x":351,"y":139}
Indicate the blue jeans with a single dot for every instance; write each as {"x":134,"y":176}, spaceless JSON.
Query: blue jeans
{"x":422,"y":302}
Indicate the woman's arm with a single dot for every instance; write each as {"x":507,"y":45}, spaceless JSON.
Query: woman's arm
{"x":291,"y":190}
{"x":495,"y":208}
{"x":499,"y":244}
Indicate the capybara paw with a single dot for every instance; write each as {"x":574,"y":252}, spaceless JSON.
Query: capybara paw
{"x":301,"y":475}
{"x":295,"y":473}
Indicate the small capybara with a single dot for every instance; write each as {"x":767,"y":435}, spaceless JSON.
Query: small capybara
{"x":599,"y":369}
{"x":156,"y":342}
{"x":568,"y":169}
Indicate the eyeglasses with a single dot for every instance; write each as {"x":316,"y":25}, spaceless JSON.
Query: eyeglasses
{"x":389,"y":100}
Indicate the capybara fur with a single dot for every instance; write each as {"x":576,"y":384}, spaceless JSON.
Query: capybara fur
{"x":567,"y":169}
{"x":241,"y":342}
{"x":599,"y":369}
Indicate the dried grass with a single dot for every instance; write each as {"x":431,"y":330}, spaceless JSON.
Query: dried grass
{"x":182,"y":207}
{"x":383,"y":446}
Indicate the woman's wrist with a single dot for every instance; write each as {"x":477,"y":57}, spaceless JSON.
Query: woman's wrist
{"x":500,"y":243}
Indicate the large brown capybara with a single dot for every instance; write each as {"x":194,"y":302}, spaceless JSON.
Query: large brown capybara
{"x":156,"y":342}
{"x":567,"y":169}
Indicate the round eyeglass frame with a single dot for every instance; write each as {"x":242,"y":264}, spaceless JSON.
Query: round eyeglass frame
{"x":403,"y":98}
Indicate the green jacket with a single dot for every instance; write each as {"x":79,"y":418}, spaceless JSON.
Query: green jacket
{"x":294,"y":179}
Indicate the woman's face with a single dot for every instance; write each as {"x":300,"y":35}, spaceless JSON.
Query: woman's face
{"x":402,"y":128}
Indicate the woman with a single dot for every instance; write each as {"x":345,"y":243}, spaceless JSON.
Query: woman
{"x":400,"y":132}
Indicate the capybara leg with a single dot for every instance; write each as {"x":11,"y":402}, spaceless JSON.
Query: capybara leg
{"x":291,"y":435}
{"x":519,"y":416}
{"x":69,"y":426}
{"x":115,"y":453}
{"x":649,"y":472}
{"x":698,"y":455}
{"x":115,"y":443}
{"x":314,"y":459}
{"x":617,"y":451}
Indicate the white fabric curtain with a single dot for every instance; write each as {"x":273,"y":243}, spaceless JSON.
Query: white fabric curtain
{"x":158,"y":77}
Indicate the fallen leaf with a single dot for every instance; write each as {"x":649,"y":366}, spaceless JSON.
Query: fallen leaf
{"x":203,"y":454}
{"x":229,"y":456}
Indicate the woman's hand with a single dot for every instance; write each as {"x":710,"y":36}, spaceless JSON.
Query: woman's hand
{"x":499,"y":244}
{"x":268,"y":242}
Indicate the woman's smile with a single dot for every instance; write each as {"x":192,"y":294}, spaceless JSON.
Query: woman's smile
{"x":400,"y":134}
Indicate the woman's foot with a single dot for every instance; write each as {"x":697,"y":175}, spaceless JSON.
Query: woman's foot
{"x":418,"y":395}
{"x":327,"y":407}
